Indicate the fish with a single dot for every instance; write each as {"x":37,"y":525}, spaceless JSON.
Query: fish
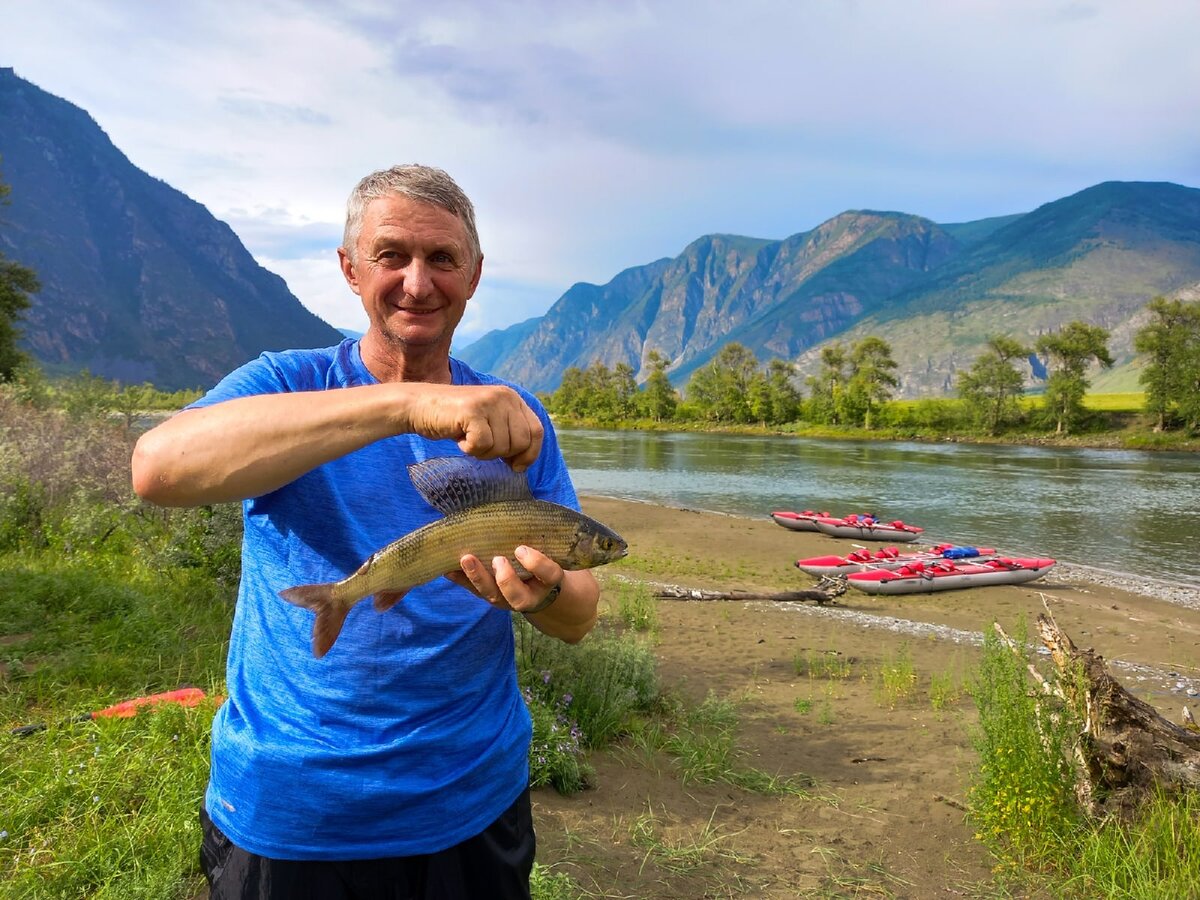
{"x":488,"y":511}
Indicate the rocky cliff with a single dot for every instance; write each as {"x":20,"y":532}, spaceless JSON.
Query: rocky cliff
{"x":139,"y":282}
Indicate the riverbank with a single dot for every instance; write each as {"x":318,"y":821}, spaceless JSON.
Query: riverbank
{"x":889,"y":773}
{"x":1128,"y":433}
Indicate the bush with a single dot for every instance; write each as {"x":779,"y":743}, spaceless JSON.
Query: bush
{"x":585,"y":695}
{"x":1023,"y":802}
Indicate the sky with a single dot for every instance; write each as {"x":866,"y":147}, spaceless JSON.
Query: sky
{"x":598,"y":136}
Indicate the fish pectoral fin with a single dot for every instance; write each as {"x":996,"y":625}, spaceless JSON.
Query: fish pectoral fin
{"x":385,"y":600}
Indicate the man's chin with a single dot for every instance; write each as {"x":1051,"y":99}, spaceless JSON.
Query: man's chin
{"x":415,"y":337}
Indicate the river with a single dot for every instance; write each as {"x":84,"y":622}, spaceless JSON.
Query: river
{"x":1126,"y":512}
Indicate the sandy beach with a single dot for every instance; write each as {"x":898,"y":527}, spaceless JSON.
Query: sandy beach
{"x":884,"y":814}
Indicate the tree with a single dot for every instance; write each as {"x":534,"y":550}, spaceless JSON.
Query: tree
{"x":16,"y":284}
{"x":785,"y":398}
{"x":571,"y":397}
{"x":659,"y":398}
{"x":1171,"y":378}
{"x":827,"y":386}
{"x":992,"y":385}
{"x":1069,"y":353}
{"x":625,"y":390}
{"x":720,"y":389}
{"x":871,"y":379}
{"x":600,"y":398}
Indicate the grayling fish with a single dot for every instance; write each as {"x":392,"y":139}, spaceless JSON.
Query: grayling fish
{"x":489,"y":512}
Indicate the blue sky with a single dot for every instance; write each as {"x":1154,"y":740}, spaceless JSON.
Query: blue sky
{"x":598,"y":136}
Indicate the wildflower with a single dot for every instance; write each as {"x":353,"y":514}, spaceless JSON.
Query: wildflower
{"x":3,"y":835}
{"x":95,"y":798}
{"x":545,"y":676}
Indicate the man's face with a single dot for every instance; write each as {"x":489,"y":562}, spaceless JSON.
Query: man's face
{"x":413,"y":269}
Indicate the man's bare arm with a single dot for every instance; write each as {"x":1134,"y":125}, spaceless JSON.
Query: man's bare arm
{"x":250,"y":446}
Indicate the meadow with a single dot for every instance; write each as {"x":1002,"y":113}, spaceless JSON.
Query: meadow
{"x":682,"y":750}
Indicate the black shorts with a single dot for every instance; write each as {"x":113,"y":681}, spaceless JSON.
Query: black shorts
{"x":494,"y":864}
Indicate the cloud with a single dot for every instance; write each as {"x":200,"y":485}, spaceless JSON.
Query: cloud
{"x":598,"y":136}
{"x":274,"y":113}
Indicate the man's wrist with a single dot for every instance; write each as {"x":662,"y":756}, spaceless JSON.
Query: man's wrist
{"x":547,"y":600}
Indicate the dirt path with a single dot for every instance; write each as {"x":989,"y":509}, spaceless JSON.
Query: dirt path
{"x":883,"y":814}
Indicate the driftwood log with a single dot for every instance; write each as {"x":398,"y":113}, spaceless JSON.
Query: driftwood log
{"x":825,"y":592}
{"x":1126,"y":751}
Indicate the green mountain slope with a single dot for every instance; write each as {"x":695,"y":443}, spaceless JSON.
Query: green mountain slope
{"x":1099,"y":256}
{"x":935,"y":293}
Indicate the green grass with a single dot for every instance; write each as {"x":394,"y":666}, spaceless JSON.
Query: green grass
{"x":895,"y":679}
{"x":823,"y":664}
{"x":633,"y":603}
{"x":685,"y":854}
{"x":702,"y":743}
{"x":106,"y":809}
{"x":1023,"y":807}
{"x":102,"y":599}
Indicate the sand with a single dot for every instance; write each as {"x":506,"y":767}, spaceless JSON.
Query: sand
{"x":884,"y":812}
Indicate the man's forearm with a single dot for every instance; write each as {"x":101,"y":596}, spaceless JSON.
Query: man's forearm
{"x":252,"y":445}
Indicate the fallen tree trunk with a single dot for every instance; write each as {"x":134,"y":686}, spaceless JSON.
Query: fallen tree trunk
{"x":1126,"y":751}
{"x":681,"y":593}
{"x":1127,"y":748}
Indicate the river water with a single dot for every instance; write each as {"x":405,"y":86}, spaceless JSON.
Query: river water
{"x":1126,"y":512}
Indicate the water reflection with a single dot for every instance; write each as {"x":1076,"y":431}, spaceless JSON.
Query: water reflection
{"x":1119,"y":510}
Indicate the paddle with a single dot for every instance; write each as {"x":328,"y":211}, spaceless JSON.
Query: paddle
{"x":185,"y":696}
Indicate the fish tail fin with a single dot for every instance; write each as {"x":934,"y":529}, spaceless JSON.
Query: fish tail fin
{"x":385,"y":600}
{"x":331,"y":614}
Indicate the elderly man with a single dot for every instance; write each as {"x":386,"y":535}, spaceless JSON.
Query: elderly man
{"x":397,"y":765}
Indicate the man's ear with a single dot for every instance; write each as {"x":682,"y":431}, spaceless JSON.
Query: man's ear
{"x":348,"y":269}
{"x":475,"y":278}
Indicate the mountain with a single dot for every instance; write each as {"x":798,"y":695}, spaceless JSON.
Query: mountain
{"x":1099,"y":256}
{"x":934,"y":292}
{"x":139,"y":282}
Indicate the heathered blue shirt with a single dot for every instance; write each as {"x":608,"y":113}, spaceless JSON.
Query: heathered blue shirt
{"x":410,"y":735}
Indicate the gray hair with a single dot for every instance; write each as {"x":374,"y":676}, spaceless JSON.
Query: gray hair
{"x":423,"y":183}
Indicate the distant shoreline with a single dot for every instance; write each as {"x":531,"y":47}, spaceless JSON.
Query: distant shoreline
{"x":1108,"y":440}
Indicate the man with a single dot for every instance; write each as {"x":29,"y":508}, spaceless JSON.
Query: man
{"x":397,"y":765}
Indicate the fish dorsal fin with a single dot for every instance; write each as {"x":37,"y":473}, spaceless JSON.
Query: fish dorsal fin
{"x":453,"y":483}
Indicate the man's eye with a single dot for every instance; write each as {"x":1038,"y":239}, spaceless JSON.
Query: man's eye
{"x":389,"y":258}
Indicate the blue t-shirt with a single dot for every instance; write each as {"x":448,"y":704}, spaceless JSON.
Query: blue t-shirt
{"x":410,"y":735}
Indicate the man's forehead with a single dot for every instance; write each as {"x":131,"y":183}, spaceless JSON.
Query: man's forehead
{"x":395,"y":215}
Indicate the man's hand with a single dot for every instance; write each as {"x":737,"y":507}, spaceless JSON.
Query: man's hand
{"x":503,"y":588}
{"x":489,"y":422}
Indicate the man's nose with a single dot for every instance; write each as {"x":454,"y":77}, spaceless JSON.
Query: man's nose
{"x":417,"y":281}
